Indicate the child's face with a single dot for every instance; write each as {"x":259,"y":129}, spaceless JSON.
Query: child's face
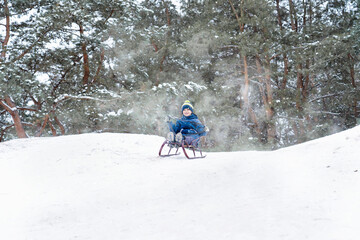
{"x":187,"y":112}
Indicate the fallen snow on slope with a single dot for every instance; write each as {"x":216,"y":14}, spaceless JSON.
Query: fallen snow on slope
{"x":114,"y":186}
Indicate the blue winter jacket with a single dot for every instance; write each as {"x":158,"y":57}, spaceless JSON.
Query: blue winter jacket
{"x":188,"y":125}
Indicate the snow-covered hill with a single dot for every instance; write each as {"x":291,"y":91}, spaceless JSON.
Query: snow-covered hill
{"x":114,"y":186}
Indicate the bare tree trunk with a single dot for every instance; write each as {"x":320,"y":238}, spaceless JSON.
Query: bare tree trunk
{"x":295,"y":129}
{"x":3,"y":131}
{"x":102,"y":57}
{"x":353,"y":83}
{"x":356,"y":110}
{"x":5,"y":42}
{"x":352,"y":70}
{"x":299,"y":87}
{"x":62,"y":128}
{"x":7,"y":31}
{"x":266,"y":96}
{"x":52,"y":128}
{"x":269,"y":91}
{"x":269,"y":106}
{"x":304,"y":15}
{"x":293,"y":18}
{"x":245,"y":92}
{"x":85,"y":56}
{"x":286,"y":71}
{"x":307,"y":81}
{"x":299,"y":101}
{"x":261,"y":87}
{"x":165,"y":52}
{"x":286,"y":61}
{"x":241,"y":25}
{"x":167,"y":15}
{"x":46,"y":119}
{"x":102,"y":54}
{"x":10,"y":107}
{"x":279,"y":14}
{"x":245,"y":95}
{"x":307,"y":22}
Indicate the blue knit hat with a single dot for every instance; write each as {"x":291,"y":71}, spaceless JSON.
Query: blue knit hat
{"x":188,"y":105}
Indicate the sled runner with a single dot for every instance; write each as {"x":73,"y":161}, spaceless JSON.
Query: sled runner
{"x":191,"y":149}
{"x":186,"y":133}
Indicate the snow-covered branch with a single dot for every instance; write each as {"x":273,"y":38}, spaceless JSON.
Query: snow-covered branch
{"x":6,"y":106}
{"x":27,"y":109}
{"x":325,"y":96}
{"x":328,"y":113}
{"x":67,"y":97}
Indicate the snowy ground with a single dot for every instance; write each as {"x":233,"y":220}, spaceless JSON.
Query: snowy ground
{"x":114,"y":186}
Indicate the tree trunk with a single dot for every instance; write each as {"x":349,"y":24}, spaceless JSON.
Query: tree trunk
{"x":7,"y":31}
{"x":286,"y":61}
{"x":245,"y":95}
{"x":299,"y":101}
{"x":271,"y":130}
{"x":353,"y":83}
{"x":286,"y":71}
{"x":352,"y":70}
{"x":299,"y":87}
{"x":260,"y":73}
{"x":279,"y":14}
{"x":304,"y":16}
{"x":241,"y":25}
{"x":266,"y":94}
{"x":52,"y":128}
{"x":62,"y":128}
{"x":46,"y":119}
{"x":165,"y":51}
{"x":307,"y":81}
{"x":3,"y":131}
{"x":245,"y":92}
{"x":10,"y":107}
{"x":356,"y":111}
{"x":102,"y":57}
{"x":85,"y":56}
{"x":293,"y":18}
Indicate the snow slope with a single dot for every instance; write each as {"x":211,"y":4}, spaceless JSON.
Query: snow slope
{"x":114,"y":186}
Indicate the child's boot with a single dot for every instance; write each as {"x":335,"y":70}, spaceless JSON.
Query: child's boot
{"x":170,"y":137}
{"x":178,"y":137}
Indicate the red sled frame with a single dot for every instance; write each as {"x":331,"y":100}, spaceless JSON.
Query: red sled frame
{"x":187,"y":149}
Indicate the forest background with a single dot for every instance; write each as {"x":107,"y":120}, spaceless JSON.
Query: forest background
{"x":261,"y":74}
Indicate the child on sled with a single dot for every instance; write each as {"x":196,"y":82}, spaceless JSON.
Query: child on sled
{"x":188,"y":127}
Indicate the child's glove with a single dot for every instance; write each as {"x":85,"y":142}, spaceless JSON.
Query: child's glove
{"x":189,"y":131}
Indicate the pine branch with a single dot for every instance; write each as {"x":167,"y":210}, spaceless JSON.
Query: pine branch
{"x":326,"y":96}
{"x":31,"y":46}
{"x":67,"y":97}
{"x":27,"y":109}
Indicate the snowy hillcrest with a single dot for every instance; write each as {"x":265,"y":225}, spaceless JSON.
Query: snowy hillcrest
{"x":114,"y":186}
